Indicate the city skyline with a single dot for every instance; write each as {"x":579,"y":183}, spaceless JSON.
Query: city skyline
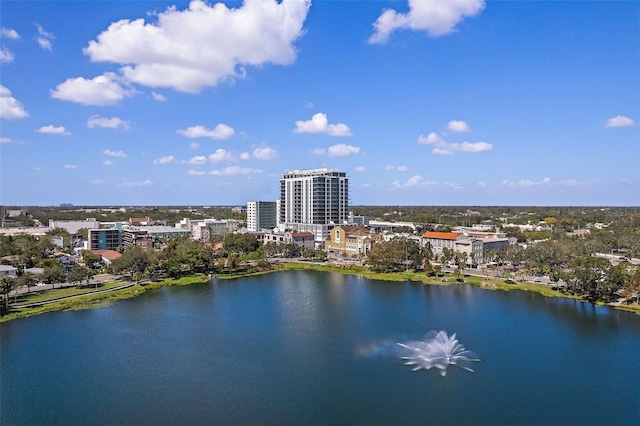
{"x":420,"y":103}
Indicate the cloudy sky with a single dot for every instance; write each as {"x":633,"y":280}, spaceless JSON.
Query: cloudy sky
{"x":420,"y":102}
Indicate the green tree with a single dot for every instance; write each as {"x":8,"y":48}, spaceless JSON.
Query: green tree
{"x":134,"y":259}
{"x":7,"y":284}
{"x":92,"y":260}
{"x":398,"y":254}
{"x":77,"y":274}
{"x":53,"y":275}
{"x":27,"y":280}
{"x":240,"y":243}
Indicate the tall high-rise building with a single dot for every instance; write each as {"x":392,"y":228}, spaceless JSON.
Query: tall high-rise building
{"x":314,"y":200}
{"x":262,"y":215}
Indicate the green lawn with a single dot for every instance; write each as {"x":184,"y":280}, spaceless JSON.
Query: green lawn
{"x":43,"y":296}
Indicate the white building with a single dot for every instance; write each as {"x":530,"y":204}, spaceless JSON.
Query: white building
{"x":73,"y":226}
{"x":262,"y":215}
{"x":8,"y":271}
{"x":314,"y":201}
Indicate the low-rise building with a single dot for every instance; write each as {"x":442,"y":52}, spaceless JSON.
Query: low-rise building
{"x":349,"y":240}
{"x":8,"y":271}
{"x":73,"y":226}
{"x":305,"y":240}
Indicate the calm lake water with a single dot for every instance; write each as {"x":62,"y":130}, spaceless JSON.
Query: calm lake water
{"x":319,"y":348}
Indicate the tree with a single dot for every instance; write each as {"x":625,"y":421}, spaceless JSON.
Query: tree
{"x":92,"y":260}
{"x":398,"y":254}
{"x":631,"y":287}
{"x":240,"y":243}
{"x":26,"y":279}
{"x":77,"y":274}
{"x":133,"y":259}
{"x":7,"y":284}
{"x":53,"y":275}
{"x":587,"y":279}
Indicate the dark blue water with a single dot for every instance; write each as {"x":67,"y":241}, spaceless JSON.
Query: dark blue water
{"x":311,"y":348}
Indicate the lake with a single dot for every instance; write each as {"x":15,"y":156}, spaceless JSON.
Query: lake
{"x":308,"y":347}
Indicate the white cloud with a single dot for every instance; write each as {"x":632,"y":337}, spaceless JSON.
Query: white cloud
{"x":342,"y":150}
{"x":443,"y":147}
{"x":194,"y":145}
{"x":96,"y":181}
{"x":245,"y":156}
{"x":107,"y":163}
{"x":134,"y":184}
{"x":110,"y":123}
{"x":221,"y":131}
{"x":526,"y":183}
{"x":53,"y":130}
{"x":234,"y":170}
{"x":398,"y":168}
{"x":435,"y":17}
{"x":9,"y":33}
{"x":99,"y":91}
{"x":44,"y":38}
{"x":5,"y":140}
{"x":221,"y":155}
{"x":481,"y":184}
{"x":119,"y":154}
{"x":197,"y":160}
{"x":164,"y":160}
{"x":70,"y":166}
{"x":318,"y":151}
{"x":458,"y":126}
{"x":196,"y":173}
{"x":45,"y":43}
{"x":10,"y":107}
{"x":360,"y":169}
{"x":6,"y":55}
{"x":202,"y":45}
{"x":265,"y":153}
{"x":158,"y":97}
{"x":320,"y":124}
{"x":619,"y":121}
{"x":415,"y":181}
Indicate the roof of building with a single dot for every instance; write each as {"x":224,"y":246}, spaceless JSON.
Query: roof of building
{"x":442,"y":235}
{"x":7,"y":268}
{"x":139,"y":219}
{"x":109,"y":254}
{"x":302,"y":234}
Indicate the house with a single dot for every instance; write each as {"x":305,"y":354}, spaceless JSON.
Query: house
{"x":108,"y":256}
{"x":65,"y":259}
{"x":349,"y":240}
{"x":8,"y":271}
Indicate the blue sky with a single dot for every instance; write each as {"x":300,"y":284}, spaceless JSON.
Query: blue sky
{"x":420,"y":102}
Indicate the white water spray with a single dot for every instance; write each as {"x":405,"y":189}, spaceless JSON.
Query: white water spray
{"x":437,"y":350}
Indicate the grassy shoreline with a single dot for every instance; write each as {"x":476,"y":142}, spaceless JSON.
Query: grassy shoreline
{"x":91,"y":301}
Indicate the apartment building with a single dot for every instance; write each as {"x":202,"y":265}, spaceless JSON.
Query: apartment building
{"x":262,"y":215}
{"x":105,"y":238}
{"x":314,"y":201}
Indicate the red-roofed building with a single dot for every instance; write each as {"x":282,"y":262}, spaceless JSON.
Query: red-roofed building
{"x":108,"y":256}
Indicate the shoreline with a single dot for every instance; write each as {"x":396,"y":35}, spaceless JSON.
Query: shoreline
{"x":105,"y":298}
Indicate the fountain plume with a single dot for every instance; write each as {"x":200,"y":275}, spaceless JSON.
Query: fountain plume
{"x":437,"y":350}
